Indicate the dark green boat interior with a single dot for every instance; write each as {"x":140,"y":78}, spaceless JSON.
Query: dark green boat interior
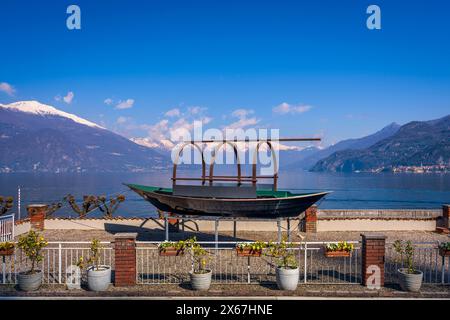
{"x":259,"y":193}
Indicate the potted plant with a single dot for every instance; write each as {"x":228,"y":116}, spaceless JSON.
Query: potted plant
{"x":200,"y":275}
{"x":444,"y":249}
{"x":287,"y":272}
{"x":98,"y":276}
{"x":31,"y":244}
{"x":340,"y":249}
{"x":168,"y":248}
{"x":250,"y":249}
{"x":6,"y":248}
{"x":410,"y":279}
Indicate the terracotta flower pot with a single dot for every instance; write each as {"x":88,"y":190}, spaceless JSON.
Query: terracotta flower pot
{"x":444,"y":252}
{"x":7,"y":252}
{"x":248,"y":252}
{"x":337,"y":254}
{"x":171,"y":252}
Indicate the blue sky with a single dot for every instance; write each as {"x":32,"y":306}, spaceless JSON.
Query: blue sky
{"x":208,"y":59}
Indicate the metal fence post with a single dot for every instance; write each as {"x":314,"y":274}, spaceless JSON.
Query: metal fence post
{"x":4,"y":269}
{"x":279,"y":230}
{"x":166,"y":225}
{"x":216,"y":233}
{"x":248,"y":270}
{"x":59,"y":263}
{"x":305,"y":270}
{"x":12,"y":228}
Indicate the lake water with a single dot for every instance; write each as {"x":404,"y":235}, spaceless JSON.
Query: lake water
{"x":350,"y":191}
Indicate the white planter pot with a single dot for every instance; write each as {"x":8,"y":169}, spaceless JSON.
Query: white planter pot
{"x":200,"y":281}
{"x":410,"y":281}
{"x":30,"y":281}
{"x":287,"y":279}
{"x":99,"y":280}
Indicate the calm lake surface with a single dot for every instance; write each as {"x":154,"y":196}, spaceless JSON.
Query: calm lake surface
{"x":350,"y":191}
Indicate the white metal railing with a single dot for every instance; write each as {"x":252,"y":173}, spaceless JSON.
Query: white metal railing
{"x":436,"y":269}
{"x":58,"y":258}
{"x":7,"y":228}
{"x":228,"y":268}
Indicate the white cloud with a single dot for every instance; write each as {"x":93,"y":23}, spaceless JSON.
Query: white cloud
{"x":242,"y":113}
{"x":175,"y":126}
{"x":69,"y":97}
{"x":286,"y":108}
{"x":173,"y":113}
{"x":125,"y":104}
{"x":122,"y":120}
{"x":7,"y":88}
{"x":196,"y":110}
{"x":108,"y":101}
{"x":243,"y":120}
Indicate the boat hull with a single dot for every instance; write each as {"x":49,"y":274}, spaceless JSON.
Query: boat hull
{"x":267,"y":208}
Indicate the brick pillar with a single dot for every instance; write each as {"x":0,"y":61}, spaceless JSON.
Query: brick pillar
{"x":446,"y":214}
{"x":310,"y":225}
{"x":37,"y":213}
{"x":125,"y":259}
{"x":373,"y":251}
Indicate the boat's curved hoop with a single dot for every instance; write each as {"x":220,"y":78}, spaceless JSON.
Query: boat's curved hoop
{"x":184,"y":145}
{"x":274,"y":159}
{"x":213,"y":160}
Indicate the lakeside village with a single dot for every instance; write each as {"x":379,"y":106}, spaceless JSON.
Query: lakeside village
{"x":437,"y":168}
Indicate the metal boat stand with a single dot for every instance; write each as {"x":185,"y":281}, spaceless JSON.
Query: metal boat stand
{"x":216,"y":220}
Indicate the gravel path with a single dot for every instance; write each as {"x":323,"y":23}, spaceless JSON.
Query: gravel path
{"x":233,"y":291}
{"x":83,"y":235}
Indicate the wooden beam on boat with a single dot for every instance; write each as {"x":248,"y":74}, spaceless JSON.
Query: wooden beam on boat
{"x":255,"y":140}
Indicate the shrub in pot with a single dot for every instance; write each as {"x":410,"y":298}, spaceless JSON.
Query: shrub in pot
{"x":98,"y":276}
{"x":200,"y":275}
{"x":287,"y":271}
{"x":410,"y":279}
{"x":31,"y":245}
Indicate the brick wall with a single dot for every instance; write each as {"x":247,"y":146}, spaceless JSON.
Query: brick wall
{"x":310,"y":223}
{"x":446,"y":214}
{"x":373,"y":253}
{"x":125,"y":259}
{"x":37,"y":213}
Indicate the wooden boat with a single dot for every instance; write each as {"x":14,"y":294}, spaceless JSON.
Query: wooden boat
{"x":240,"y":200}
{"x":267,"y":204}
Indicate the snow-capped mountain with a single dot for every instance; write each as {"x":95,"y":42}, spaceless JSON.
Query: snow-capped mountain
{"x":165,"y":144}
{"x":37,"y":108}
{"x":35,"y":137}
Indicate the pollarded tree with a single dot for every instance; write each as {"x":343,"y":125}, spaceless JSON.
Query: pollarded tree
{"x":53,"y":208}
{"x":109,"y":208}
{"x":90,"y":202}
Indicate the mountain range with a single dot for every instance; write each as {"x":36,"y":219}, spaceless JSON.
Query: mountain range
{"x":313,"y":156}
{"x":417,"y":143}
{"x":35,"y":137}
